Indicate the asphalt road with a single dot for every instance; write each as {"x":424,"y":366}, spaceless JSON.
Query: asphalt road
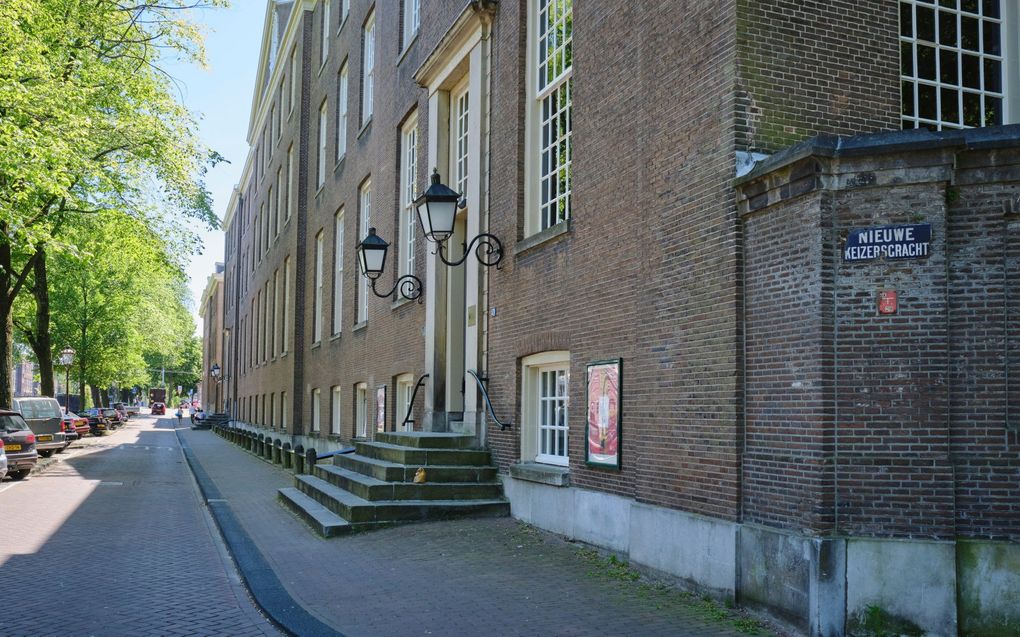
{"x":112,"y":539}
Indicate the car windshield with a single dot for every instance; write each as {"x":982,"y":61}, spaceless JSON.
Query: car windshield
{"x":10,"y":424}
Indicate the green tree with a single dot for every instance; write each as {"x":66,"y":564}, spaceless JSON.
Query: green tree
{"x":89,"y":122}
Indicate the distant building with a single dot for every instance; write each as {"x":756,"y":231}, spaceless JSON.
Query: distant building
{"x":213,"y":342}
{"x":755,"y":323}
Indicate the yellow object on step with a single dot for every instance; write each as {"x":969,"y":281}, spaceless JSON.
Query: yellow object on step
{"x":419,"y":475}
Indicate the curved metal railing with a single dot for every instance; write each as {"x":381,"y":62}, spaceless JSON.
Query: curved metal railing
{"x":488,"y":403}
{"x":410,"y":403}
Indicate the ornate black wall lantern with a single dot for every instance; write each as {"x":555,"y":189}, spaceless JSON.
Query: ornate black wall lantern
{"x":437,"y":211}
{"x":372,"y":259}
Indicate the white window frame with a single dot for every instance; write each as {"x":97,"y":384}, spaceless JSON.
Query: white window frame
{"x":412,"y":21}
{"x":286,"y":304}
{"x":343,"y":85}
{"x":405,"y":388}
{"x":361,"y":410}
{"x":272,"y":213}
{"x":316,"y":409}
{"x":942,"y":85}
{"x":365,"y":213}
{"x":345,"y":10}
{"x":542,"y":211}
{"x":293,"y":80}
{"x":274,"y":117}
{"x":317,"y":291}
{"x":320,"y":172}
{"x":460,"y":127}
{"x":335,"y":406}
{"x":291,"y":180}
{"x":277,"y":291}
{"x":408,"y":192}
{"x":533,"y":426}
{"x":283,"y":410}
{"x":280,"y":202}
{"x":338,"y":271}
{"x":324,"y":34}
{"x":368,"y":68}
{"x":272,"y":410}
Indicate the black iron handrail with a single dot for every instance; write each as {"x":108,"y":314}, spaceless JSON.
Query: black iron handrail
{"x":488,"y":403}
{"x":410,"y":403}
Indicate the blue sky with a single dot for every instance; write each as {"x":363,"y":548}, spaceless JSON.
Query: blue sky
{"x":221,"y":96}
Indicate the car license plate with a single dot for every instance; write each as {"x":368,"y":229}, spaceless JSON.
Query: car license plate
{"x":13,"y":447}
{"x":44,"y":438}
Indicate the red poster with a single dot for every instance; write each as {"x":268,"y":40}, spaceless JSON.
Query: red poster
{"x":604,"y":414}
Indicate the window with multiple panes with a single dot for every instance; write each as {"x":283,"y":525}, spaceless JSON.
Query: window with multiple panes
{"x":335,"y":419}
{"x":293,"y":80}
{"x":341,"y":112}
{"x":544,"y":401}
{"x":408,"y":192}
{"x":291,"y":180}
{"x":315,"y":409}
{"x":324,"y":33}
{"x":361,"y":410}
{"x":405,"y":387}
{"x":283,"y":410}
{"x":551,"y":64}
{"x":459,"y":137}
{"x":412,"y":20}
{"x":367,"y":68}
{"x":951,"y":63}
{"x":281,"y":202}
{"x":317,"y":291}
{"x":272,"y":411}
{"x":275,"y":118}
{"x":286,"y":305}
{"x":277,"y":309}
{"x":365,"y":208}
{"x":345,"y":9}
{"x":338,"y":271}
{"x":320,"y":173}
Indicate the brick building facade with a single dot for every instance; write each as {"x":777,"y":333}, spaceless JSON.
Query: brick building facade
{"x":781,"y":443}
{"x":213,"y":336}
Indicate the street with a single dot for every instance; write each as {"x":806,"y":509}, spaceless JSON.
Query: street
{"x":113,"y":540}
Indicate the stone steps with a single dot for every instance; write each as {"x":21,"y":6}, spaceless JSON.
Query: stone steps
{"x":375,"y":487}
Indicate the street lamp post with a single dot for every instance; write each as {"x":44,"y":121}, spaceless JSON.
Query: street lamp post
{"x":214,"y":371}
{"x":66,"y":359}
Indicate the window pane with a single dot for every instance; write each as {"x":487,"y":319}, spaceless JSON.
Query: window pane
{"x":950,"y":107}
{"x":948,"y":66}
{"x":925,"y":23}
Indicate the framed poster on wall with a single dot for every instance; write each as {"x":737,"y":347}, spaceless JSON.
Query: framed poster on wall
{"x":380,"y":408}
{"x":602,"y":446}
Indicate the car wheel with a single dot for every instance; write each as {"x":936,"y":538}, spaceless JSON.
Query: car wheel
{"x":19,"y":475}
{"x":46,"y":453}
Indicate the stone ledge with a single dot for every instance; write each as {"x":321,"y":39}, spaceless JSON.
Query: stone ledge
{"x":541,"y":473}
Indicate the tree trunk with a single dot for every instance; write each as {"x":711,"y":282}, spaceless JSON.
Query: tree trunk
{"x":7,"y":320}
{"x":97,"y":396}
{"x":43,"y":345}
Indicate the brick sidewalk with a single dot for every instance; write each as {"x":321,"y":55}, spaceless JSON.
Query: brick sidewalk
{"x":457,"y":578}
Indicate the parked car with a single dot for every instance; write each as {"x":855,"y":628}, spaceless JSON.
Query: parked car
{"x":3,"y":460}
{"x":18,"y":443}
{"x":132,"y":410}
{"x":70,"y":431}
{"x":158,"y":409}
{"x":45,"y":418}
{"x":122,"y":410}
{"x":99,"y":423}
{"x":81,"y":423}
{"x":113,"y":415}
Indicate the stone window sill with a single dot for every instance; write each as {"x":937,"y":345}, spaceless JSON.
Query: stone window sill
{"x":550,"y":234}
{"x":541,"y":473}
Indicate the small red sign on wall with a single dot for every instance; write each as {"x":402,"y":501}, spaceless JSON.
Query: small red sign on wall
{"x":887,"y":302}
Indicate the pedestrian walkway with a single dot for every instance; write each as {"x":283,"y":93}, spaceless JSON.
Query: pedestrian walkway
{"x":457,"y":578}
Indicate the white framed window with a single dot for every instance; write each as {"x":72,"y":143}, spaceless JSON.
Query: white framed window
{"x":367,"y":68}
{"x":335,"y":419}
{"x":549,"y":125}
{"x":272,"y":411}
{"x":412,"y":20}
{"x":320,"y":174}
{"x":365,"y":208}
{"x":324,"y":33}
{"x":953,"y":63}
{"x":286,"y":305}
{"x":408,"y":192}
{"x":317,"y":291}
{"x":361,"y":410}
{"x":275,"y":118}
{"x":265,"y":417}
{"x":405,"y":388}
{"x":293,"y":80}
{"x":285,"y":94}
{"x":345,"y":10}
{"x":265,"y":322}
{"x":271,"y":218}
{"x":281,"y":202}
{"x":544,"y":402}
{"x":259,"y":220}
{"x":341,"y":111}
{"x":283,"y":410}
{"x":291,"y":180}
{"x":460,"y":120}
{"x":277,"y":290}
{"x":315,"y":409}
{"x":338,"y":271}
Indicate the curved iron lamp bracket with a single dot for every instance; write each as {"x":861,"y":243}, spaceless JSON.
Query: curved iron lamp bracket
{"x":409,"y":286}
{"x":489,"y":251}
